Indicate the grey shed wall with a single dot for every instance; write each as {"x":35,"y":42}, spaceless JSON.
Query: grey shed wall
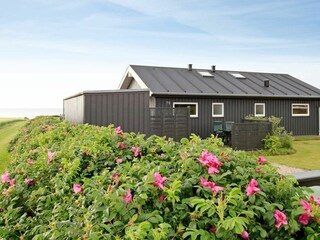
{"x":73,"y":109}
{"x":235,"y":109}
{"x":128,"y":109}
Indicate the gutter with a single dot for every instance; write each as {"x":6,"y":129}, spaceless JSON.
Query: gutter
{"x":228,"y":95}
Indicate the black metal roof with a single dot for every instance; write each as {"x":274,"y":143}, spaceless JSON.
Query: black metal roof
{"x":182,"y":81}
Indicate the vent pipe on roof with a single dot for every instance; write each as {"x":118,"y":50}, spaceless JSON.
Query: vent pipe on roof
{"x":266,"y":83}
{"x":190,"y":67}
{"x":213,"y":68}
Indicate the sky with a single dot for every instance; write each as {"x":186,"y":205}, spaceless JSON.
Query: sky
{"x":52,"y":49}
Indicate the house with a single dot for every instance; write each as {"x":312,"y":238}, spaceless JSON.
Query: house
{"x":210,"y":94}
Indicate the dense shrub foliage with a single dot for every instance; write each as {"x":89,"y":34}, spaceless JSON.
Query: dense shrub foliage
{"x":69,"y":181}
{"x":279,"y":141}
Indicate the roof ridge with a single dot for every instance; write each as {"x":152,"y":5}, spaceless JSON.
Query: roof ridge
{"x":205,"y":69}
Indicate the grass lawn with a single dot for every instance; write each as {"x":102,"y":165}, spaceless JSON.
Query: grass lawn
{"x":307,"y":155}
{"x":5,"y":119}
{"x":7,"y":133}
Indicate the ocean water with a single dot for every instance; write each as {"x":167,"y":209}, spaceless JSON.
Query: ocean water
{"x":29,"y":112}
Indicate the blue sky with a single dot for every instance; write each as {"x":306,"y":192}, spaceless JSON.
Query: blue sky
{"x":51,"y":49}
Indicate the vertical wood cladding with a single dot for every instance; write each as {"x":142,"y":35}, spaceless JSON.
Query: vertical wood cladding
{"x":126,"y":109}
{"x":235,"y":109}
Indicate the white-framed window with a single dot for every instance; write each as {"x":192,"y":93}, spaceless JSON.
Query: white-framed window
{"x":217,"y":110}
{"x":193,"y":106}
{"x":300,"y":109}
{"x":259,"y":110}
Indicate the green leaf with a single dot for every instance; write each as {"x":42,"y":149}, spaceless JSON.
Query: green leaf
{"x":240,"y":170}
{"x":192,"y":225}
{"x":211,"y":212}
{"x":238,"y":228}
{"x":249,"y":214}
{"x":143,"y":196}
{"x":232,"y":213}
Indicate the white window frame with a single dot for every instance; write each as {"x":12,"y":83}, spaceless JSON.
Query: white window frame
{"x":255,"y":110}
{"x":188,"y":103}
{"x":300,"y":115}
{"x":218,"y":115}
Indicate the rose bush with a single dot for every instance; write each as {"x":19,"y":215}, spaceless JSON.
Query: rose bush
{"x":66,"y":181}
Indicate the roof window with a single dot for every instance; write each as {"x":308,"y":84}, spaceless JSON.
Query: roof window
{"x":237,"y":75}
{"x":205,"y":73}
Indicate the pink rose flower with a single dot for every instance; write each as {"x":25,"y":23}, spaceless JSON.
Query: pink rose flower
{"x":118,"y":130}
{"x":119,"y":160}
{"x":306,"y":206}
{"x":159,"y":180}
{"x":280,"y":218}
{"x":245,"y":235}
{"x":212,"y":230}
{"x":77,"y":188}
{"x":258,"y":170}
{"x":128,"y":197}
{"x":136,"y":151}
{"x":29,"y":161}
{"x":252,"y":187}
{"x":212,"y":185}
{"x":50,"y":156}
{"x":304,"y":218}
{"x":122,"y":145}
{"x":318,"y":200}
{"x":162,"y":198}
{"x":211,"y":161}
{"x":261,"y":160}
{"x":30,"y":182}
{"x":5,"y":177}
{"x":12,"y":182}
{"x":311,"y":199}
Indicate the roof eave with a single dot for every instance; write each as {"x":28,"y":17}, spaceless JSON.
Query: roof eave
{"x":107,"y":91}
{"x":231,"y":95}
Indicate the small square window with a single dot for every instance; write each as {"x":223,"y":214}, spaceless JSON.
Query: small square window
{"x":300,"y":109}
{"x":217,"y":110}
{"x":205,"y":73}
{"x":237,"y":75}
{"x":192,"y":106}
{"x":259,"y":110}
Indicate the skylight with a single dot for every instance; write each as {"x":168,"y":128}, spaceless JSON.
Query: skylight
{"x":237,"y":75}
{"x":205,"y":73}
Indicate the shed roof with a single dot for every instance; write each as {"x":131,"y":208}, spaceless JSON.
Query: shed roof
{"x":182,"y":81}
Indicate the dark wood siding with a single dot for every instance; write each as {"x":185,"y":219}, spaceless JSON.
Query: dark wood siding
{"x":126,"y":109}
{"x":235,"y":109}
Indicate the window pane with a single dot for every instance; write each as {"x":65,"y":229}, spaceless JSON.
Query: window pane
{"x":192,"y":107}
{"x":217,"y":109}
{"x":259,"y":110}
{"x":300,"y":109}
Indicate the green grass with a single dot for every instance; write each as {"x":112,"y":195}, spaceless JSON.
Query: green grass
{"x":307,"y":155}
{"x":7,"y":119}
{"x":305,"y":138}
{"x":8,"y":129}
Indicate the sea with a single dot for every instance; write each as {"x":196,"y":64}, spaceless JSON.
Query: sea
{"x":29,"y":113}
